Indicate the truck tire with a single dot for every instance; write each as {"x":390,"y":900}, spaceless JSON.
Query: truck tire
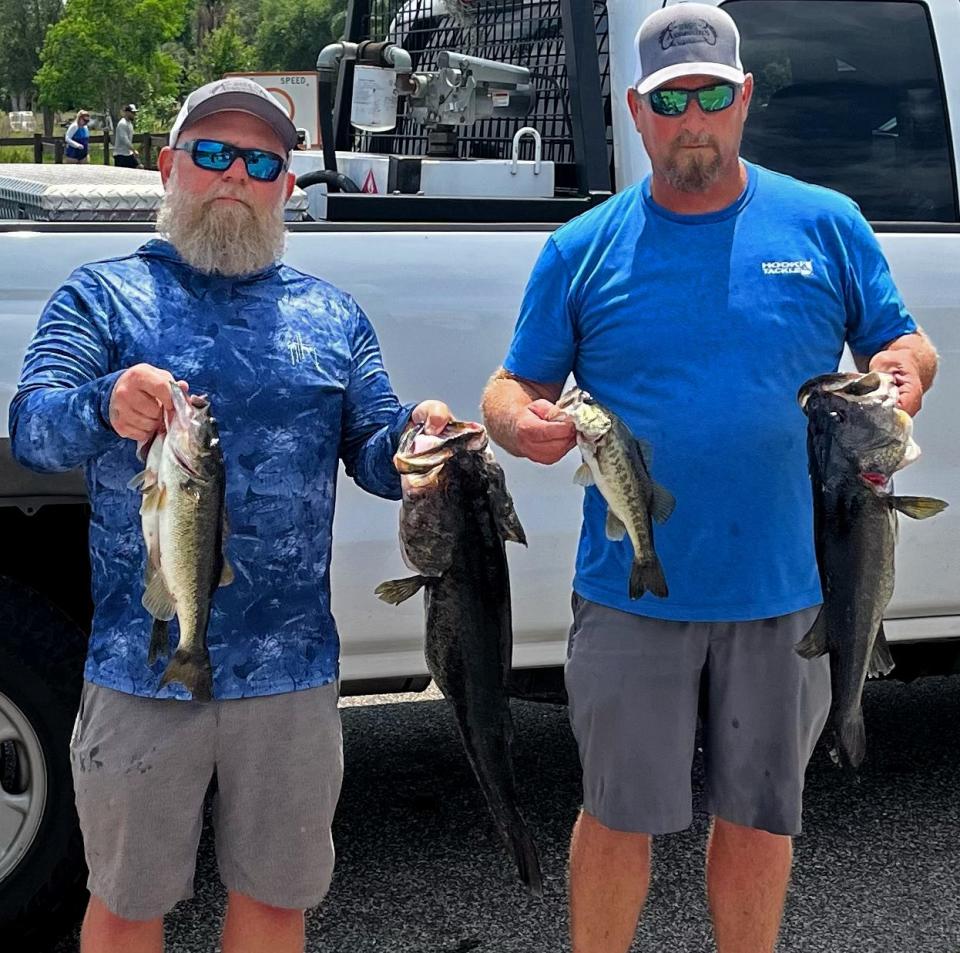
{"x":42,"y":871}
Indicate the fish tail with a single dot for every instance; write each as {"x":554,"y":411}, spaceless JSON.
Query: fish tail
{"x":159,"y":634}
{"x":814,"y":643}
{"x":851,"y":740}
{"x":647,"y":576}
{"x":525,"y":855}
{"x":192,"y":670}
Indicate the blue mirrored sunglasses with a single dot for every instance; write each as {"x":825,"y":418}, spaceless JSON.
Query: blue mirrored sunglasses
{"x":215,"y":156}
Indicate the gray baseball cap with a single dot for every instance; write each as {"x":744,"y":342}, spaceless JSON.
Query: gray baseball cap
{"x":687,"y":39}
{"x":235,"y":94}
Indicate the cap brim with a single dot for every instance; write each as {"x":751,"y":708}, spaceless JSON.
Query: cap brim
{"x":250,"y":103}
{"x":729,"y":73}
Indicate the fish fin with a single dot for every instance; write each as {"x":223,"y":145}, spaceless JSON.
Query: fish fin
{"x":645,"y":450}
{"x":615,"y":528}
{"x":881,"y":661}
{"x":647,"y":577}
{"x":159,"y":640}
{"x":583,"y":476}
{"x":510,"y":528}
{"x":396,"y":591}
{"x":227,"y":574}
{"x":663,"y":503}
{"x":501,"y":503}
{"x":152,"y":563}
{"x":158,"y":600}
{"x":143,"y":480}
{"x":851,"y":741}
{"x":814,"y":643}
{"x":192,"y":670}
{"x":918,"y":507}
{"x":505,"y":516}
{"x":153,"y":498}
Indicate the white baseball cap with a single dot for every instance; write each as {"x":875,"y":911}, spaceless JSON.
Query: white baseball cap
{"x":687,"y":39}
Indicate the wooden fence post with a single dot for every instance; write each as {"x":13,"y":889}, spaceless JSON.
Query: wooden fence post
{"x":106,"y":147}
{"x":145,"y":149}
{"x":38,"y":147}
{"x":58,"y":151}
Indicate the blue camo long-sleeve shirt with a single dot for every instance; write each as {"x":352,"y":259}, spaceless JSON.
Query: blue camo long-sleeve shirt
{"x":294,"y":373}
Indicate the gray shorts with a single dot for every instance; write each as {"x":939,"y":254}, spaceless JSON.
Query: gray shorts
{"x":141,"y":768}
{"x":636,"y":686}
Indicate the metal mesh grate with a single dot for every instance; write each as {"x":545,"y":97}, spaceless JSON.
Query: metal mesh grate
{"x":523,"y":32}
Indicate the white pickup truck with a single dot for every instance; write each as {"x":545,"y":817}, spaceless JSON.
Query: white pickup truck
{"x":861,"y":96}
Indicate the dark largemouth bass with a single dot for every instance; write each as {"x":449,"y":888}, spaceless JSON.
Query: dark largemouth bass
{"x":184,"y":518}
{"x":856,"y":439}
{"x":619,"y":464}
{"x":456,"y":515}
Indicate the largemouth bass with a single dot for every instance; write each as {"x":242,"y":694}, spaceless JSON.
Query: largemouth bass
{"x":856,"y":439}
{"x":456,"y":515}
{"x":184,"y":521}
{"x":619,"y":465}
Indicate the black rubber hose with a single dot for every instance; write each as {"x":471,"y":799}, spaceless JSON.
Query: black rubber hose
{"x":327,"y":136}
{"x":343,"y":182}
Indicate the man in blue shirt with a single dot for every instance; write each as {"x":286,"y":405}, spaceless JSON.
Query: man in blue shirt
{"x":694,"y":305}
{"x":293,"y":370}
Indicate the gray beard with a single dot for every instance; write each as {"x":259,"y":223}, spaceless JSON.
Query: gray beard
{"x":217,"y":239}
{"x":696,"y":174}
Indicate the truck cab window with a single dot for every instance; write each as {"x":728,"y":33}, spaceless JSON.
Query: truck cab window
{"x":849,"y":95}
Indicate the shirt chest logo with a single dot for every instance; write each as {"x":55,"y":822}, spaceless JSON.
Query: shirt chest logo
{"x":300,"y":351}
{"x":803,"y":268}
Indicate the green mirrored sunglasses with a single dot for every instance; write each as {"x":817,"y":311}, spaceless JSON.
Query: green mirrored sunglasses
{"x":674,"y":102}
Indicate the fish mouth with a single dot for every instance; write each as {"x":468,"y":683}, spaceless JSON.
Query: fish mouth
{"x":421,"y":453}
{"x":572,"y":397}
{"x":873,"y":388}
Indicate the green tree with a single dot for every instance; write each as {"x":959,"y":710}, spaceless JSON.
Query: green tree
{"x":293,"y":32}
{"x":23,"y":25}
{"x":221,"y":50}
{"x":103,"y":53}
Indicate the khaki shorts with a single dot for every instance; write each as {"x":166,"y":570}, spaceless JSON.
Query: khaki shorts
{"x":637,"y":687}
{"x":141,"y":768}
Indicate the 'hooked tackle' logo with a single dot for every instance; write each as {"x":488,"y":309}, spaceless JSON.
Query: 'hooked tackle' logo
{"x":802,"y":268}
{"x":684,"y":32}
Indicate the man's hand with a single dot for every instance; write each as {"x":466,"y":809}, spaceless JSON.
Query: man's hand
{"x":541,"y":438}
{"x":140,"y":400}
{"x":433,"y":414}
{"x":905,"y":368}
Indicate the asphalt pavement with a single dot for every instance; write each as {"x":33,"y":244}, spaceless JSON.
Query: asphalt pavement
{"x":420,"y":868}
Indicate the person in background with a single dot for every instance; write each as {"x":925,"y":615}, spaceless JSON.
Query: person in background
{"x":78,"y":139}
{"x":124,"y":155}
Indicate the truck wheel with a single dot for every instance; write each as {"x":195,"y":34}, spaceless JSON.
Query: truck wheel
{"x":42,"y":871}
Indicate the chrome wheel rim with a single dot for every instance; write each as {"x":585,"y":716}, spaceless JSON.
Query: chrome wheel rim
{"x":23,"y":785}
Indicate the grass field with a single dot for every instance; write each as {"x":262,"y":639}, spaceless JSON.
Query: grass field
{"x":24,"y":153}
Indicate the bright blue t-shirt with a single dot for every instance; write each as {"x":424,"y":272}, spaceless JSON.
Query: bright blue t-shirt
{"x":698,"y":330}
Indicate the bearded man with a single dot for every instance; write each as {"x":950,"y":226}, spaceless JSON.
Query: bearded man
{"x":293,"y":370}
